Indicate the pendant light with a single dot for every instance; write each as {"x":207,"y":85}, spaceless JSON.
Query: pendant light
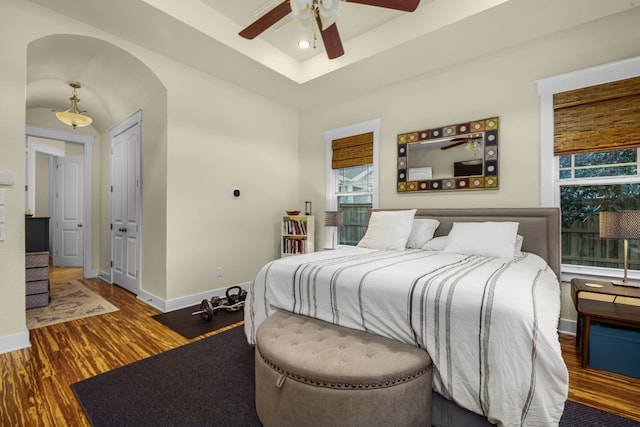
{"x":73,"y":116}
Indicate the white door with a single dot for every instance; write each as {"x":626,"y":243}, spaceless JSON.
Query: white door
{"x":68,"y":203}
{"x":125,"y":203}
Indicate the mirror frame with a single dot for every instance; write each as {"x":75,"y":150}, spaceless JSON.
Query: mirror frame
{"x":488,"y":181}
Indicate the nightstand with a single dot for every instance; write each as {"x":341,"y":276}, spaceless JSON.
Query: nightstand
{"x":600,"y":301}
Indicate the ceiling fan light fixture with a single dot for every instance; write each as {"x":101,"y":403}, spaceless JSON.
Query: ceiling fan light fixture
{"x":306,"y":11}
{"x":73,"y":116}
{"x":474,"y":144}
{"x":303,"y":10}
{"x":328,"y":12}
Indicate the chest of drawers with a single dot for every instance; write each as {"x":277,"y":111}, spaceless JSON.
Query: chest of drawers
{"x":37,"y":279}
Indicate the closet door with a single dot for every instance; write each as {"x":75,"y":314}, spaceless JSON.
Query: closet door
{"x":125,"y":204}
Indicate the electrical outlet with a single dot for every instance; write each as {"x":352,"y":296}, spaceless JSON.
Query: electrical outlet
{"x":219,"y":272}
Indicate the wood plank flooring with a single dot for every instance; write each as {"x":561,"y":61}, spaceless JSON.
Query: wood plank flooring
{"x":36,"y":382}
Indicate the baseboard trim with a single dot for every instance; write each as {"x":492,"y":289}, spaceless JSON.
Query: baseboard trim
{"x":14,"y":342}
{"x":187,"y":301}
{"x":152,"y":300}
{"x":104,"y":276}
{"x":567,"y":326}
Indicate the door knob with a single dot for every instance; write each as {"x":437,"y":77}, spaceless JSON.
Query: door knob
{"x":79,"y":225}
{"x":122,"y":229}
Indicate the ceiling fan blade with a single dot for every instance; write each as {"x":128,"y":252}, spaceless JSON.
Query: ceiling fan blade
{"x":456,"y":142}
{"x":403,"y":5}
{"x":266,"y":20}
{"x":331,"y":40}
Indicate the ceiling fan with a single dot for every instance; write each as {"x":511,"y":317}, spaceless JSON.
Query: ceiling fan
{"x":473,"y":141}
{"x":321,"y":13}
{"x":455,"y":142}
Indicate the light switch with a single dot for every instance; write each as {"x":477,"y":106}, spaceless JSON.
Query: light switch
{"x":6,"y":177}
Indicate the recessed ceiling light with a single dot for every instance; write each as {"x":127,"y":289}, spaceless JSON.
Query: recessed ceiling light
{"x":304,"y":44}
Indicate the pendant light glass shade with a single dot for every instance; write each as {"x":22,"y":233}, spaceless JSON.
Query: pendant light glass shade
{"x":73,"y":116}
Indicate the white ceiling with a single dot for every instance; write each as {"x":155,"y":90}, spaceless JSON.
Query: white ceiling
{"x":382,"y":46}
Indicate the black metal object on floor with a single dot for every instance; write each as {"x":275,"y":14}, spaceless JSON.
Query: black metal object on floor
{"x":234,"y":301}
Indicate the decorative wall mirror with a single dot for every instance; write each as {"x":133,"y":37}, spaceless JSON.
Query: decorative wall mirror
{"x":456,"y":157}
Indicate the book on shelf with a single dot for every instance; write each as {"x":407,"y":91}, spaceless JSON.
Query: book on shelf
{"x":297,"y":234}
{"x":294,"y":246}
{"x":295,"y":227}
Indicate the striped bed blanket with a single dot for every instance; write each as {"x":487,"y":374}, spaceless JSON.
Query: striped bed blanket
{"x":489,"y":324}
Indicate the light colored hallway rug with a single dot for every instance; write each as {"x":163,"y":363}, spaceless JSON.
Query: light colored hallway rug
{"x":69,"y":301}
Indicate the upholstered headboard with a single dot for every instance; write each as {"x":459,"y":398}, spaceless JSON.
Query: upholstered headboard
{"x":540,"y":227}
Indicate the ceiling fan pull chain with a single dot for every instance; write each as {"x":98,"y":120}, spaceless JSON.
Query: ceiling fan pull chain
{"x":315,"y":38}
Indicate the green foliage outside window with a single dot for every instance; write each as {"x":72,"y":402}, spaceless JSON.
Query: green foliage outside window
{"x":355,"y":187}
{"x":588,"y":187}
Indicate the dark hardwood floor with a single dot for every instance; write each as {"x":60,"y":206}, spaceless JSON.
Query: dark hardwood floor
{"x":36,"y":382}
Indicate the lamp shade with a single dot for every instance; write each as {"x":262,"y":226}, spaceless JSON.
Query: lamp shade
{"x":620,"y":225}
{"x":75,"y":120}
{"x":332,"y":218}
{"x":73,"y":116}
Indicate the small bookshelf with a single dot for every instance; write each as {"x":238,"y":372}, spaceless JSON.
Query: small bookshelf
{"x":297,"y":235}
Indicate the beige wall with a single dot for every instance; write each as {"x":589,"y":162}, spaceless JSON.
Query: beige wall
{"x":501,"y":84}
{"x":233,"y":139}
{"x":12,"y":87}
{"x":194,"y":152}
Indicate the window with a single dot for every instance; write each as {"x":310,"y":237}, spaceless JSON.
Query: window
{"x":589,"y":161}
{"x":352,"y":177}
{"x":355,"y":198}
{"x":590,"y":183}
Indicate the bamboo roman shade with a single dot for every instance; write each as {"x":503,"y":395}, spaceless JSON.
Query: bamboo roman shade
{"x":597,"y":118}
{"x":351,"y":151}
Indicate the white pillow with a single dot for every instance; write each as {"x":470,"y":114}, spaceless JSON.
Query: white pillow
{"x":519,"y":240}
{"x":496,"y":239}
{"x":435,"y":244}
{"x":421,"y":232}
{"x":388,"y":230}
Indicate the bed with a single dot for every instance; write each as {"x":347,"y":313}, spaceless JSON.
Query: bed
{"x":488,"y":321}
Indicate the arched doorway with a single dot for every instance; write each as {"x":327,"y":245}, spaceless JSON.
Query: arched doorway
{"x":115,"y":84}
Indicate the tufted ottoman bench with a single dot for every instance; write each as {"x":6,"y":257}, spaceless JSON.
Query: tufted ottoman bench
{"x":314,"y":373}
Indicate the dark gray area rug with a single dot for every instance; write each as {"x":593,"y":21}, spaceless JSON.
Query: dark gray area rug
{"x":190,"y":326}
{"x":211,"y":382}
{"x":207,"y":382}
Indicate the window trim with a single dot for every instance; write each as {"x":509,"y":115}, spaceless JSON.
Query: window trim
{"x":549,"y":164}
{"x":331,"y":201}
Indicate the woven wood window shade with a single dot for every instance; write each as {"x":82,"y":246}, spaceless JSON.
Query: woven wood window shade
{"x":351,"y":151}
{"x":597,"y":118}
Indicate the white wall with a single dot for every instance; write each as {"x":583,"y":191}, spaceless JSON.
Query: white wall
{"x":501,"y":84}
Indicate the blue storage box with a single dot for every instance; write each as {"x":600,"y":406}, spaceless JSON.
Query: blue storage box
{"x":615,"y":349}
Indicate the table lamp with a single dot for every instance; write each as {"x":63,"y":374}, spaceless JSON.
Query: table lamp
{"x":333,"y":219}
{"x":621,"y":225}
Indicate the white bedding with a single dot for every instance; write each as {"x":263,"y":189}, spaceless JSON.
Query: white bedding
{"x":489,"y":324}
